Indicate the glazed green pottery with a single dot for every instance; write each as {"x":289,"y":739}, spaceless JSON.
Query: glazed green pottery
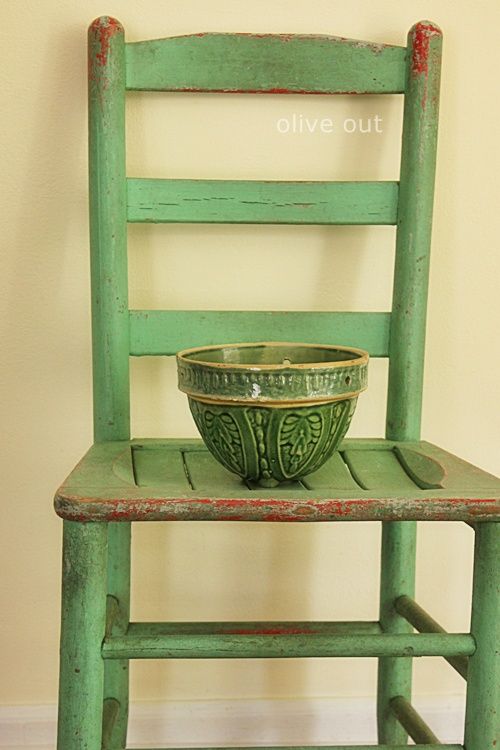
{"x":272,"y":412}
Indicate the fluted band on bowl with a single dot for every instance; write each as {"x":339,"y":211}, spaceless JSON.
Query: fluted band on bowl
{"x":323,"y":373}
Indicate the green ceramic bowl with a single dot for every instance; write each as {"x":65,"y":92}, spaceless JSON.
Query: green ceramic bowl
{"x":272,"y":411}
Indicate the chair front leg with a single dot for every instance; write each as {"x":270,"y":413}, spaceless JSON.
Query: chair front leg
{"x":83,"y":624}
{"x":116,"y":672}
{"x":482,"y":719}
{"x":397,"y":578}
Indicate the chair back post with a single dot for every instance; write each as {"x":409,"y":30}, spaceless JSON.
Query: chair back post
{"x":411,"y":272}
{"x":108,"y":230}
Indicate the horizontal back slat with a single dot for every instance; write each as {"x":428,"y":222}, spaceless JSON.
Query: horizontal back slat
{"x":165,"y":332}
{"x":265,"y":63}
{"x":254,"y":202}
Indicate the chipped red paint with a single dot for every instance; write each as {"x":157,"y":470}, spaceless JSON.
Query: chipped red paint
{"x":104,"y":28}
{"x":373,"y":46}
{"x":285,"y":37}
{"x":81,"y":509}
{"x":281,"y":37}
{"x":420,"y":52}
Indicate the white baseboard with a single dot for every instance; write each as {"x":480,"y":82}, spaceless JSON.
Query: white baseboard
{"x":318,"y":721}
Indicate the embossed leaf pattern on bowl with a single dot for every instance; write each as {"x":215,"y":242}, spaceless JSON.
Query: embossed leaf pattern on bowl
{"x":272,"y":445}
{"x":297,"y":438}
{"x":222,"y":436}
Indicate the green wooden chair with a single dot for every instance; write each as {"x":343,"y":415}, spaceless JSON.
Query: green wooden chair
{"x":398,"y":481}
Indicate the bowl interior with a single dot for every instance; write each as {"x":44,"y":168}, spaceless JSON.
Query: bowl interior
{"x":272,"y":355}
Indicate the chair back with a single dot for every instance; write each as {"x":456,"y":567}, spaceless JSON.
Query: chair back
{"x":263,"y":64}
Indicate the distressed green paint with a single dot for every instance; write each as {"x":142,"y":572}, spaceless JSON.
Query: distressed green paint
{"x":264,"y":202}
{"x":82,"y":632}
{"x":483,"y":682}
{"x":164,"y":332}
{"x":116,"y":674}
{"x":397,"y":578}
{"x":412,"y":722}
{"x":294,"y":504}
{"x":110,"y":714}
{"x":179,"y":480}
{"x":428,"y":474}
{"x":108,"y":238}
{"x":267,"y":63}
{"x":411,"y":272}
{"x":81,"y":702}
{"x":377,"y":468}
{"x":302,"y":627}
{"x":406,"y":349}
{"x":424,"y":623}
{"x":256,"y":646}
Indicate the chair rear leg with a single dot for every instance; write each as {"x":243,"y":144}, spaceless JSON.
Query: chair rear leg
{"x":482,"y":719}
{"x":83,"y":625}
{"x":397,"y":577}
{"x":116,"y":673}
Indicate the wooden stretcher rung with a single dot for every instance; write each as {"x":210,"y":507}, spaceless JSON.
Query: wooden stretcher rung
{"x":424,"y":623}
{"x":276,"y":640}
{"x":412,"y":722}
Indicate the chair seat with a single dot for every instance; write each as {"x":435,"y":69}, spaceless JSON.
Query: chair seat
{"x":367,"y":480}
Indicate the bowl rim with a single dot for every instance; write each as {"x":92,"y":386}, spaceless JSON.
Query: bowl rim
{"x":361,"y":359}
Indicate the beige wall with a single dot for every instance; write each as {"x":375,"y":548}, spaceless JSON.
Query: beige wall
{"x":232,"y":571}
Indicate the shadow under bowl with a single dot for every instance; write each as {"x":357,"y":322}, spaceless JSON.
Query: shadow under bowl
{"x":272,"y":412}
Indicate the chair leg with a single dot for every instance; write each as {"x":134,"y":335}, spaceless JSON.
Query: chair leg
{"x":397,"y":577}
{"x":82,"y":631}
{"x":482,"y":718}
{"x":116,"y":673}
